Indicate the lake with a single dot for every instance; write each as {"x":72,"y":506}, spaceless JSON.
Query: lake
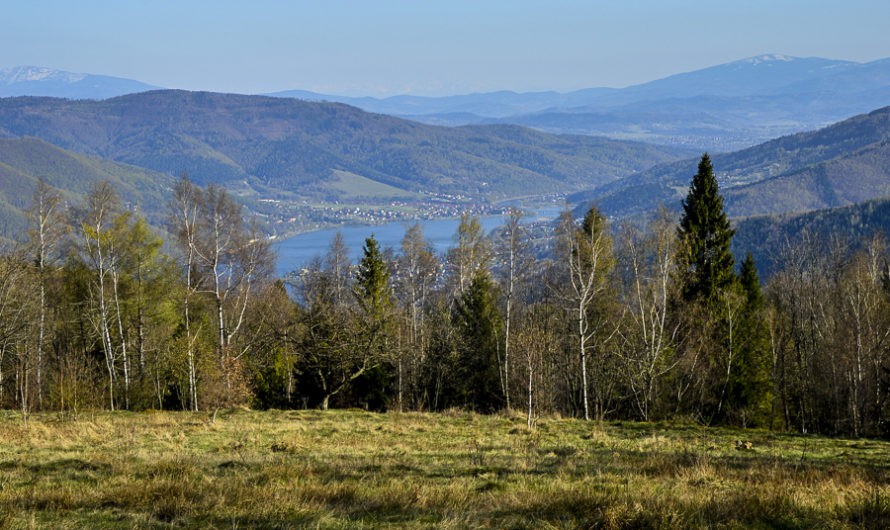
{"x":295,"y":252}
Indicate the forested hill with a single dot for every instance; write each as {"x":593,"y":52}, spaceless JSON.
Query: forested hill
{"x":842,"y":164}
{"x":275,"y":145}
{"x":23,"y":161}
{"x":769,"y":238}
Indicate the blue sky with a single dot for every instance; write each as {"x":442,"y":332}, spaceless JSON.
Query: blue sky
{"x":426,"y":47}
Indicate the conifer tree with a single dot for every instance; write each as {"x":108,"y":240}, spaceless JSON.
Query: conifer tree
{"x":753,"y":388}
{"x":374,"y":336}
{"x":480,"y":327}
{"x":371,"y":287}
{"x":707,"y":265}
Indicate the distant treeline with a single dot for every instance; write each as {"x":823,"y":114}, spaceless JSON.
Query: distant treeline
{"x":647,"y":324}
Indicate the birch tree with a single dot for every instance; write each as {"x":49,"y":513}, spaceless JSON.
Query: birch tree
{"x":512,"y":252}
{"x":586,"y":254}
{"x":650,"y":264}
{"x":183,"y":219}
{"x":46,"y":228}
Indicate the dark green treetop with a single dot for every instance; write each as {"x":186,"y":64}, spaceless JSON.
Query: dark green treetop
{"x":705,"y":231}
{"x":480,"y":325}
{"x":750,"y":281}
{"x":372,"y":281}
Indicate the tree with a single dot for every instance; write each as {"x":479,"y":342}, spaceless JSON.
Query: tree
{"x":234,"y":258}
{"x":471,"y":253}
{"x":416,"y":271}
{"x":650,"y":338}
{"x":98,"y":245}
{"x":373,"y":293}
{"x":705,"y":233}
{"x":339,"y":266}
{"x":150,"y":278}
{"x":480,"y":325}
{"x":47,"y":227}
{"x":343,"y":342}
{"x":372,"y":284}
{"x":752,"y":387}
{"x":586,"y":252}
{"x":184,"y":221}
{"x":17,"y":315}
{"x":511,"y":248}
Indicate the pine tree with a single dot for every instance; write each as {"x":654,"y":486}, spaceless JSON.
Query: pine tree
{"x":705,"y":231}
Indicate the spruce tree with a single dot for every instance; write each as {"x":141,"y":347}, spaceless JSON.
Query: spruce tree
{"x":753,"y":387}
{"x":706,"y":234}
{"x":372,"y":282}
{"x":480,"y":327}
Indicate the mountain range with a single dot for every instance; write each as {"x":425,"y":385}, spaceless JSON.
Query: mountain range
{"x":290,"y":152}
{"x":720,"y":108}
{"x":293,"y":152}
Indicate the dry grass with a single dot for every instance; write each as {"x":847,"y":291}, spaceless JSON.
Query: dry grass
{"x":348,"y":469}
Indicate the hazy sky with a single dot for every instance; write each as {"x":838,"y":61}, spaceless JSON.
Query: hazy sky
{"x":427,"y":47}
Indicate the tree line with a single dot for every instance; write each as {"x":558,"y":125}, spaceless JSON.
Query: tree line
{"x":599,"y":322}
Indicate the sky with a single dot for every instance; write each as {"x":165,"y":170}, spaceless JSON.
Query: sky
{"x":426,"y":47}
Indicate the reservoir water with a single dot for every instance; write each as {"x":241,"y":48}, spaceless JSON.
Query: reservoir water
{"x":295,"y":252}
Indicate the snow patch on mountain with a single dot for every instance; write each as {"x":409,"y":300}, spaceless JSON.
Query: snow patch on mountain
{"x":768,"y":58}
{"x":24,"y":74}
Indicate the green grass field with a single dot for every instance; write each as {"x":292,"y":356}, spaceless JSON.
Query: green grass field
{"x":353,"y":469}
{"x":350,"y":185}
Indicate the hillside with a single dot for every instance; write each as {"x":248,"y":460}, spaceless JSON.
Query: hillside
{"x":766,"y":236}
{"x":23,"y":161}
{"x":285,"y":148}
{"x":842,"y":164}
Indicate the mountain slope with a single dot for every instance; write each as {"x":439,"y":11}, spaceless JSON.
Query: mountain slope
{"x":39,"y":81}
{"x":767,"y":237}
{"x":284,"y":147}
{"x":843,"y":163}
{"x":847,"y":179}
{"x":23,"y":161}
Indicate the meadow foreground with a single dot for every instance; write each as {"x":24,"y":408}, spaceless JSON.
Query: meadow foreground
{"x":348,"y":469}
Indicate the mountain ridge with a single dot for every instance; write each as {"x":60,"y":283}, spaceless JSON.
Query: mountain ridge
{"x":745,"y":175}
{"x":42,"y":81}
{"x":292,"y":152}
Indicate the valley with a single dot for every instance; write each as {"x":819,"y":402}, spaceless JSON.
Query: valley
{"x":446,"y":265}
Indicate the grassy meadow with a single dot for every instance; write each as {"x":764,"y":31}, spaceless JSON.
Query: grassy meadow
{"x":354,"y":469}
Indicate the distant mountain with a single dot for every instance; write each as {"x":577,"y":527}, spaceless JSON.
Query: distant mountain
{"x":756,"y":75}
{"x":469,"y":107}
{"x":720,"y":108}
{"x":297,"y":151}
{"x":767,"y":237}
{"x":23,"y":161}
{"x":38,"y":81}
{"x":845,"y":163}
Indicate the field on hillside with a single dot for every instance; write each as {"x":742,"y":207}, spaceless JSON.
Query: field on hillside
{"x":348,"y":469}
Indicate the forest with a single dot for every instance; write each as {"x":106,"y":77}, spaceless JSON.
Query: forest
{"x":654,"y":322}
